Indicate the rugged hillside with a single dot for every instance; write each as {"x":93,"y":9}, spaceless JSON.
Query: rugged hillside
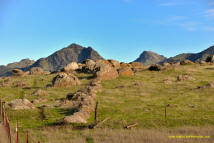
{"x":180,"y":57}
{"x":5,"y":70}
{"x":149,"y":58}
{"x":193,"y":57}
{"x":72,"y":53}
{"x":202,"y":55}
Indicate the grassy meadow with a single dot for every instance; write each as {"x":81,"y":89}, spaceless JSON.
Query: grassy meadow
{"x":137,"y":99}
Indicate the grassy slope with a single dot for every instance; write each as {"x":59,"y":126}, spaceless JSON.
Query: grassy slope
{"x":124,"y":101}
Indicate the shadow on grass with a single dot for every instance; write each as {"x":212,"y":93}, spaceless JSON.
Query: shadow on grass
{"x":210,"y":68}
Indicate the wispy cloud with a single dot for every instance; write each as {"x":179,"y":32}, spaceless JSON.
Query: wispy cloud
{"x":169,"y":4}
{"x":127,"y":1}
{"x":209,"y":28}
{"x":209,"y":13}
{"x":176,"y":3}
{"x":181,"y":21}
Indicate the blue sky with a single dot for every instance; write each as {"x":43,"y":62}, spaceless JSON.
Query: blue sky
{"x":117,"y":29}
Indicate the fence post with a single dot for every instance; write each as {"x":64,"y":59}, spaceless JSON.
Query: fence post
{"x":2,"y":108}
{"x":17,"y":134}
{"x":95,"y":114}
{"x":165,"y":114}
{"x":8,"y":128}
{"x":27,"y":137}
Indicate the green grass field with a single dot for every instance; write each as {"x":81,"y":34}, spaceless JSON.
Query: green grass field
{"x":126,"y":100}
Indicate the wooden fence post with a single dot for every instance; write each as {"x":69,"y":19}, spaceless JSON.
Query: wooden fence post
{"x":2,"y":112}
{"x":95,"y":113}
{"x":0,"y":106}
{"x":17,"y":134}
{"x":27,"y":141}
{"x":165,"y":114}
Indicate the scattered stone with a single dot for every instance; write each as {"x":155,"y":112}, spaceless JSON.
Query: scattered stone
{"x":125,"y":72}
{"x":186,"y":62}
{"x":40,"y":93}
{"x":70,"y":67}
{"x":18,"y":72}
{"x":140,"y":84}
{"x":209,"y":85}
{"x":184,"y":77}
{"x":40,"y":100}
{"x":65,"y":80}
{"x":19,"y":104}
{"x":36,"y":71}
{"x":19,"y":84}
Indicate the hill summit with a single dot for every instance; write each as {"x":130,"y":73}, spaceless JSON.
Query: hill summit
{"x":72,"y":53}
{"x":149,"y":58}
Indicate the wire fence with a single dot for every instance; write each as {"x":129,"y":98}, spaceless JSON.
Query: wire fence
{"x":5,"y":122}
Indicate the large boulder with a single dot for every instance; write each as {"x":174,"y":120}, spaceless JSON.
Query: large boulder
{"x":105,"y":71}
{"x":114,"y":63}
{"x":88,"y":66}
{"x":18,"y":72}
{"x":125,"y":65}
{"x":156,"y":67}
{"x":136,"y":66}
{"x":36,"y":71}
{"x":210,"y":59}
{"x":70,"y":67}
{"x":65,"y":80}
{"x":19,"y":104}
{"x":125,"y":72}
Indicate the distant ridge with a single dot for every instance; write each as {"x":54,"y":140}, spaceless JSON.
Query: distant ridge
{"x":149,"y":58}
{"x":59,"y":59}
{"x":195,"y":57}
{"x":5,"y":70}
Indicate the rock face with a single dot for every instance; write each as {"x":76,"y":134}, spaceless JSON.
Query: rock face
{"x":19,"y":104}
{"x":125,"y":72}
{"x":184,"y":77}
{"x":65,"y":80}
{"x":72,"y":53}
{"x":18,"y":72}
{"x":71,"y":67}
{"x":36,"y":71}
{"x":150,"y":58}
